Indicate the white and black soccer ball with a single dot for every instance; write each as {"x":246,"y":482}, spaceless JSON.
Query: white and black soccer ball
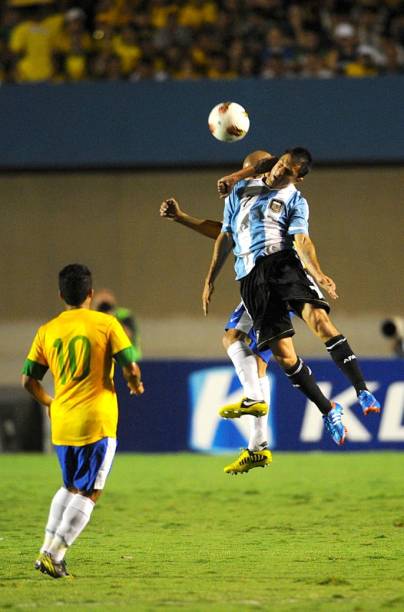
{"x":228,"y":121}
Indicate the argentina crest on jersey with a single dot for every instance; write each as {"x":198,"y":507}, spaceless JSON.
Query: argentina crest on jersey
{"x":276,"y":205}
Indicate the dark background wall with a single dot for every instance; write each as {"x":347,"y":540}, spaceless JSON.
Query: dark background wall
{"x":108,"y":217}
{"x":110,"y":221}
{"x":153,"y":124}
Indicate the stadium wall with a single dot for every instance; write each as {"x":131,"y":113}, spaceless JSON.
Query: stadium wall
{"x":150,"y":124}
{"x":111,"y":222}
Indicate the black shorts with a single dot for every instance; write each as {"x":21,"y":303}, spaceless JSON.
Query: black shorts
{"x":276,"y":285}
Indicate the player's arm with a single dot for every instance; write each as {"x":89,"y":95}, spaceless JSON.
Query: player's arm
{"x":170,"y":209}
{"x":221,"y":250}
{"x":34,"y":369}
{"x":34,"y":388}
{"x":307,"y":253}
{"x":226,"y":183}
{"x":125,"y":356}
{"x":132,"y":375}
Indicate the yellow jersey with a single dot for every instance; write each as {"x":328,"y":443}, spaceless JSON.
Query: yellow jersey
{"x":34,"y":41}
{"x":78,"y":347}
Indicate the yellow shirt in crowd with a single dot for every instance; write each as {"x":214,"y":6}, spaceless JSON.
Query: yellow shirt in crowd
{"x":78,"y":347}
{"x":35,"y":42}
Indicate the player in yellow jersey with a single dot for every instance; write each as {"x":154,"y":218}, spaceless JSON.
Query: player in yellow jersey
{"x":79,"y":348}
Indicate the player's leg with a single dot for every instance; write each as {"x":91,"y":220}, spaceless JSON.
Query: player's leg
{"x":88,"y":473}
{"x":257,"y":453}
{"x":339,"y":349}
{"x":244,"y":361}
{"x":58,"y":505}
{"x":302,"y":378}
{"x":266,"y":300}
{"x":258,"y":439}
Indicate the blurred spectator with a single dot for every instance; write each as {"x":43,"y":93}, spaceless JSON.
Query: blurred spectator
{"x":219,"y":68}
{"x":73,"y":47}
{"x":393,"y":57}
{"x":159,"y":12}
{"x":116,"y":13}
{"x":105,"y":301}
{"x":312,"y":66}
{"x":247,"y":68}
{"x":126,"y":45}
{"x":32,"y":43}
{"x":48,"y":40}
{"x":187,"y":70}
{"x":277,"y":44}
{"x":147,"y":69}
{"x":364,"y":65}
{"x":345,"y":47}
{"x":172,"y":34}
{"x":274,"y":67}
{"x":197,"y":13}
{"x":113,"y":70}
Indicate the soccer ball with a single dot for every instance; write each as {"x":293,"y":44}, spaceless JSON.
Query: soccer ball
{"x":228,"y":121}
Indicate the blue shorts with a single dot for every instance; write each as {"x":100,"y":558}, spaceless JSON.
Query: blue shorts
{"x":241,"y":320}
{"x":86,"y":467}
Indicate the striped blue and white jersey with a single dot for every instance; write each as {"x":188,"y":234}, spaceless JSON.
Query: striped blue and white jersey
{"x":262,"y":221}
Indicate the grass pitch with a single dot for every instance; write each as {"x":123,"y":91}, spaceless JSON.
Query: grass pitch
{"x":312,"y":532}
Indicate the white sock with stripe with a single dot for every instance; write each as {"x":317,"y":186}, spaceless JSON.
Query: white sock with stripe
{"x":259,"y":425}
{"x":245,"y":365}
{"x":58,"y":505}
{"x":75,"y":518}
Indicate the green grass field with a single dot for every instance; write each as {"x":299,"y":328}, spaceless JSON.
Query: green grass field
{"x":312,"y":532}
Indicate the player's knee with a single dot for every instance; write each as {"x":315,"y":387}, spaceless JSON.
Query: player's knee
{"x":286,"y":362}
{"x":230,"y":336}
{"x":319,"y":320}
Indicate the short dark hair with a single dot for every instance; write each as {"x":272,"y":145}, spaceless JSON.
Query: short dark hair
{"x":302,"y":157}
{"x":75,"y":283}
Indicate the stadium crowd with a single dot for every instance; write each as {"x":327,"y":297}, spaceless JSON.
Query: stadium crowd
{"x":76,"y":40}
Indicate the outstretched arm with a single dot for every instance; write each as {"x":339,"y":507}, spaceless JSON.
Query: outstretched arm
{"x":170,"y":209}
{"x":307,"y":252}
{"x":221,"y":250}
{"x":226,"y":183}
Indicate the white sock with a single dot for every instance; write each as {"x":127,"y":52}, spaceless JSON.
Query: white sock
{"x":58,"y":505}
{"x":75,"y":518}
{"x":265,"y":387}
{"x":245,"y":365}
{"x":259,"y":425}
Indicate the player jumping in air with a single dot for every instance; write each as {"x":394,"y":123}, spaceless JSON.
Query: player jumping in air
{"x":78,"y":347}
{"x":240,"y":344}
{"x":262,"y":221}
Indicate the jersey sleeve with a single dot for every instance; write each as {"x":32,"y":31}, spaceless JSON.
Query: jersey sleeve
{"x":121,"y":346}
{"x":228,"y":211}
{"x":36,"y":364}
{"x":299,"y":218}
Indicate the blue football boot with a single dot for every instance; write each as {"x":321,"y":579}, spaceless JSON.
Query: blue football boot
{"x":368,"y":402}
{"x":334,"y":424}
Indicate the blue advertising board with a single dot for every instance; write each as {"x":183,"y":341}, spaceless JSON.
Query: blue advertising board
{"x":179,"y":410}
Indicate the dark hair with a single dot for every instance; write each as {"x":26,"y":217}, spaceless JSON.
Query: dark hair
{"x":302,"y":157}
{"x":75,"y":283}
